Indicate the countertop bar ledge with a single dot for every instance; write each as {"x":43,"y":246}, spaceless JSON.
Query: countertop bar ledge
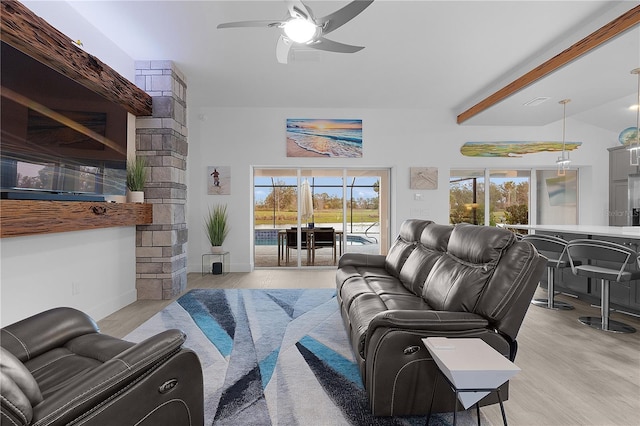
{"x":599,"y":230}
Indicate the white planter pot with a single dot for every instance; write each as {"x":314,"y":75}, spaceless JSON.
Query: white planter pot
{"x":135,"y":196}
{"x":216,"y":249}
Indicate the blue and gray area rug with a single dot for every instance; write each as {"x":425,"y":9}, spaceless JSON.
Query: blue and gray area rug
{"x":275,"y":357}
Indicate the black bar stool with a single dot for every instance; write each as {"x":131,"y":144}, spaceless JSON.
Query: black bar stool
{"x":555,"y":250}
{"x":604,"y":251}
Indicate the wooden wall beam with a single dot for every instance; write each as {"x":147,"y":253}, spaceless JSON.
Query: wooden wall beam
{"x":35,"y":37}
{"x":614,"y":28}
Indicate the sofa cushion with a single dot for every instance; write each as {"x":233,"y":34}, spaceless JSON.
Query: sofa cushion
{"x":14,"y":402}
{"x":433,"y":243}
{"x":415,"y":270}
{"x":409,"y":235}
{"x":55,"y":368}
{"x":479,"y":244}
{"x":15,"y":370}
{"x":458,"y":279}
{"x":436,"y":237}
{"x":397,"y":255}
{"x":353,"y":288}
{"x":404,"y":302}
{"x":362,"y":310}
{"x":506,"y":297}
{"x":455,"y":285}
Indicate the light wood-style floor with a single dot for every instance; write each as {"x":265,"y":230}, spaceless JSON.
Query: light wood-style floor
{"x":571,"y":374}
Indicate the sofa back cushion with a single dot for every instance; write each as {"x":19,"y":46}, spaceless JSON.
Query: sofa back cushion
{"x":433,"y":244}
{"x":409,"y":235}
{"x":15,"y":370}
{"x":508,"y":293}
{"x":20,"y":392}
{"x":458,"y":279}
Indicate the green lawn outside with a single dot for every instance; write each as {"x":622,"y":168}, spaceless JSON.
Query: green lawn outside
{"x":265,"y":217}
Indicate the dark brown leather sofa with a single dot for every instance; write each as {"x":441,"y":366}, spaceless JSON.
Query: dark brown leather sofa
{"x":437,"y":280}
{"x":57,"y":369}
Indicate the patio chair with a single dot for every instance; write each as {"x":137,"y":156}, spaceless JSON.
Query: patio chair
{"x":324,"y":237}
{"x":292,"y":243}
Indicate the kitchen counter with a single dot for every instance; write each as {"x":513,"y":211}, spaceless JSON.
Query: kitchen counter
{"x":606,"y":231}
{"x":624,"y":296}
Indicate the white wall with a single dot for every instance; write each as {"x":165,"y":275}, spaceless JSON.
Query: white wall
{"x":246,"y":137}
{"x":63,"y":17}
{"x":38,"y":272}
{"x":93,"y":271}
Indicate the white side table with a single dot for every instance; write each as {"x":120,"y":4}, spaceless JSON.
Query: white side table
{"x":221,"y":257}
{"x":472,"y":368}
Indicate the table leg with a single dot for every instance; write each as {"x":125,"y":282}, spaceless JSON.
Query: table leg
{"x":455,"y":408}
{"x":504,"y":415}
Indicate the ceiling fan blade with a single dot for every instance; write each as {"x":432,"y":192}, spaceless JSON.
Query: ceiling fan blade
{"x":249,"y":24}
{"x":340,"y":17}
{"x":282,"y":49}
{"x":333,"y":46}
{"x":299,"y":9}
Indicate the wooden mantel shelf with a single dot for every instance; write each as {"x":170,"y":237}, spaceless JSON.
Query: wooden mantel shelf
{"x":22,"y":217}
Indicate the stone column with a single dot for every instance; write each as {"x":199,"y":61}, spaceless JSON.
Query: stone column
{"x":161,"y":257}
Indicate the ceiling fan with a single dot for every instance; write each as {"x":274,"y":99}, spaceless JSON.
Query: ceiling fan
{"x":301,"y":28}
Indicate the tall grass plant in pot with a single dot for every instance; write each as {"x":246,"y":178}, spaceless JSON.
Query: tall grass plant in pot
{"x":136,"y":179}
{"x":216,"y":225}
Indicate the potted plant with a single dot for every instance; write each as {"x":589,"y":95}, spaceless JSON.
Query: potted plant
{"x":217,"y":227}
{"x":136,"y":178}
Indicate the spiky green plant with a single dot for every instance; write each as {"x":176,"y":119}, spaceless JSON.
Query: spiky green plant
{"x":136,"y":173}
{"x":216,"y":224}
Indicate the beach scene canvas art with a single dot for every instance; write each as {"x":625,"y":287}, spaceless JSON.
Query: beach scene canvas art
{"x":513,"y":148}
{"x":336,"y":138}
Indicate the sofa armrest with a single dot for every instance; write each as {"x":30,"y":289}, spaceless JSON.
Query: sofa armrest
{"x":361,"y":259}
{"x":421,"y":324}
{"x":429,"y":321}
{"x":42,"y":332}
{"x":88,"y":390}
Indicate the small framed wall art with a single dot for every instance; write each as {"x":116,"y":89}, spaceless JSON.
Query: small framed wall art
{"x":424,"y":178}
{"x":218,"y":180}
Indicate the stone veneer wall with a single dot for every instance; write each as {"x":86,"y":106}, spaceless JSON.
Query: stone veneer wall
{"x":161,"y":257}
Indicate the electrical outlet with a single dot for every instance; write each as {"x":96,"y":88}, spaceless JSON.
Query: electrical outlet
{"x":75,"y":288}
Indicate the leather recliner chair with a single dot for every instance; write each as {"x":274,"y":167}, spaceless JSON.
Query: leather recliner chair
{"x":57,"y":368}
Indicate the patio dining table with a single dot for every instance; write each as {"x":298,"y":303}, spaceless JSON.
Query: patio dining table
{"x":309,"y":232}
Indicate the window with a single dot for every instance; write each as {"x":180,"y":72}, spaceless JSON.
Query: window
{"x":510,"y":196}
{"x":466,"y":196}
{"x":507,"y":198}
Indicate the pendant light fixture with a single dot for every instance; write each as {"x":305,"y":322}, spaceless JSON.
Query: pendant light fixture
{"x":563,"y":161}
{"x":634,"y":143}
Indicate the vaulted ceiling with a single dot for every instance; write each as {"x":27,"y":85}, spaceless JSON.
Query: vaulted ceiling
{"x":444,"y":55}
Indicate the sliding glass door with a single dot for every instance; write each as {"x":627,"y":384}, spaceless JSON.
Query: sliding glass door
{"x":308,"y":217}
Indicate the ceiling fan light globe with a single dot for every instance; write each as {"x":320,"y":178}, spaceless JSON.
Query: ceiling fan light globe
{"x":300,"y":30}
